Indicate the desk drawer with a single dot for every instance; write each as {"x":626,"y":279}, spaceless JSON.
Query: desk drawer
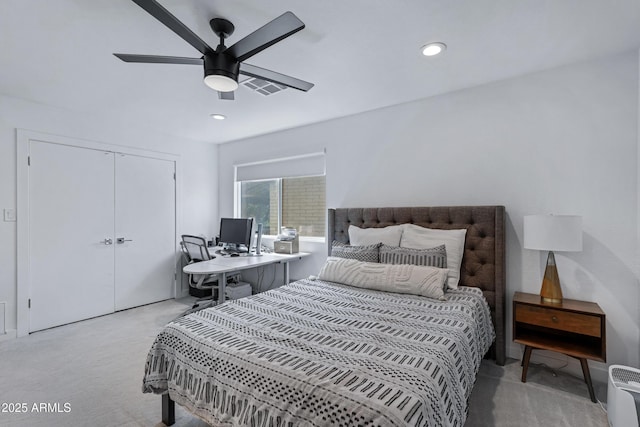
{"x":557,"y":319}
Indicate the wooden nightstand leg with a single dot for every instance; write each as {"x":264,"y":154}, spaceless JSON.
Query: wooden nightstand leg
{"x":587,"y":379}
{"x":525,"y":362}
{"x":168,"y":410}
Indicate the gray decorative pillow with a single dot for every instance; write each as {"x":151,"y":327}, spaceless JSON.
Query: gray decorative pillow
{"x":369,"y":253}
{"x":433,"y":257}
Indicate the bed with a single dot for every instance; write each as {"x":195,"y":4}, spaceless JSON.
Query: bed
{"x":321,"y":353}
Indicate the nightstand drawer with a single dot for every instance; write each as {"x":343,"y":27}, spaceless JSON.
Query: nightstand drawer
{"x":558,"y":319}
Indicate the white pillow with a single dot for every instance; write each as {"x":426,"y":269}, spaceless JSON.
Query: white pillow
{"x":401,"y":278}
{"x":370,"y":236}
{"x":416,"y":237}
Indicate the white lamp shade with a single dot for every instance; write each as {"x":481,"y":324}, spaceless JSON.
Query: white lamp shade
{"x":553,"y":232}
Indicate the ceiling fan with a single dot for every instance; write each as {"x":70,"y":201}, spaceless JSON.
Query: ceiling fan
{"x":222,"y":65}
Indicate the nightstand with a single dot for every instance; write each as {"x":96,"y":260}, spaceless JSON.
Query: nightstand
{"x":572,"y":327}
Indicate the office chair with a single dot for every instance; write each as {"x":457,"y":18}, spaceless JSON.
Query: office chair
{"x":194,"y":249}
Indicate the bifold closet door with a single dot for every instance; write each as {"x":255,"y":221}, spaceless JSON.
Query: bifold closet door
{"x":144,"y":230}
{"x":71,"y":220}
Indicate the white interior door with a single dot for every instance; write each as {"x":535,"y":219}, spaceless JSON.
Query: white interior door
{"x":71,"y":214}
{"x":145,"y":220}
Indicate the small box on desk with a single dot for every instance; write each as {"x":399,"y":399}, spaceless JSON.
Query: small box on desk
{"x":286,"y":246}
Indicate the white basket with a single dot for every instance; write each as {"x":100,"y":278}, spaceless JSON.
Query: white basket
{"x":238,"y":290}
{"x":623,"y":396}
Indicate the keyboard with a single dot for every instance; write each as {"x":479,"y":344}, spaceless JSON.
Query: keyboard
{"x":224,"y":252}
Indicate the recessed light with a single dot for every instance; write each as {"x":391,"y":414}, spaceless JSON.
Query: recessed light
{"x":218,"y":116}
{"x":433,"y":49}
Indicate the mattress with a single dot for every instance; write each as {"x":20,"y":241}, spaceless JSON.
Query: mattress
{"x":315,"y":353}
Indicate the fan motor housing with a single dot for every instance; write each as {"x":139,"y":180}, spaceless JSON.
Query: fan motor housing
{"x":221,"y":64}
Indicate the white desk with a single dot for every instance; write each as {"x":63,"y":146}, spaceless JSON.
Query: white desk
{"x":221,"y":265}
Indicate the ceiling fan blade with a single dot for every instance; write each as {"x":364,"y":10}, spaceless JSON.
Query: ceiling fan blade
{"x":272,"y":76}
{"x":271,"y":33}
{"x":154,"y":59}
{"x":163,"y":15}
{"x":226,"y":95}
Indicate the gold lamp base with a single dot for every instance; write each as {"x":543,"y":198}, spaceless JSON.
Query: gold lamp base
{"x":551,"y":292}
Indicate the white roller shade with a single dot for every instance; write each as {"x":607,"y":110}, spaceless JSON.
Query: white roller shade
{"x":304,"y":165}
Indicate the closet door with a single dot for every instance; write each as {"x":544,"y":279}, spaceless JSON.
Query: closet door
{"x":144,"y":230}
{"x":71,"y":221}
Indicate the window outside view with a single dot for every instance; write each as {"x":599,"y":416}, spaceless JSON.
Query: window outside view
{"x":291,"y":202}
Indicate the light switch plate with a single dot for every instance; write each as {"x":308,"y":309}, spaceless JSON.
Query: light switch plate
{"x":9,"y":215}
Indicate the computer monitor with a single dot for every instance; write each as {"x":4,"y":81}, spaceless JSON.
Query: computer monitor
{"x":236,"y":233}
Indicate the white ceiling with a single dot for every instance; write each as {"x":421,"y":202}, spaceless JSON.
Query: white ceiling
{"x":361,"y":55}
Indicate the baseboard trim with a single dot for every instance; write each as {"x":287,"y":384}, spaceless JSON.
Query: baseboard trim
{"x":9,"y":335}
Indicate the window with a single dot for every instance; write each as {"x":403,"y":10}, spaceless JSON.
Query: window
{"x":284,"y":192}
{"x":292,"y":202}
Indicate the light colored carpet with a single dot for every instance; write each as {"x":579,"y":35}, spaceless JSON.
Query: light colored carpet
{"x":548,"y":399}
{"x":95,"y":368}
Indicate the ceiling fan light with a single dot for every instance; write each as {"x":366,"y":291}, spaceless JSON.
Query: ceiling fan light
{"x":433,"y":49}
{"x":220,"y":83}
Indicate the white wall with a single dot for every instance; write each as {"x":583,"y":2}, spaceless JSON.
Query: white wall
{"x":562,"y":141}
{"x":198,"y":161}
{"x":638,"y":230}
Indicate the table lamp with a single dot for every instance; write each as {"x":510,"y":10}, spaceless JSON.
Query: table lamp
{"x":552,"y":233}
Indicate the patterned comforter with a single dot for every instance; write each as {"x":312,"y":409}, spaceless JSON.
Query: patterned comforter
{"x":316,"y":353}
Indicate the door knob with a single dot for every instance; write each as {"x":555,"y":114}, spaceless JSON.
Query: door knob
{"x":107,"y":242}
{"x":121,"y":240}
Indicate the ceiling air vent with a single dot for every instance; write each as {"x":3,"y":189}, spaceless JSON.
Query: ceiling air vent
{"x":263,"y":87}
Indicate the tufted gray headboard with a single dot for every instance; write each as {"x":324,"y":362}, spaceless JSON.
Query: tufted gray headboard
{"x":483,"y":262}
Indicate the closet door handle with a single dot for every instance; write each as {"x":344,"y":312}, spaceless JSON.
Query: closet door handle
{"x":121,"y":240}
{"x":107,"y":242}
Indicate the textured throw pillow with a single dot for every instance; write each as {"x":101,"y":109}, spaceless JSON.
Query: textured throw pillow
{"x":368,"y":236}
{"x":418,"y":237}
{"x":369,"y":253}
{"x":433,"y":257}
{"x":401,"y":278}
